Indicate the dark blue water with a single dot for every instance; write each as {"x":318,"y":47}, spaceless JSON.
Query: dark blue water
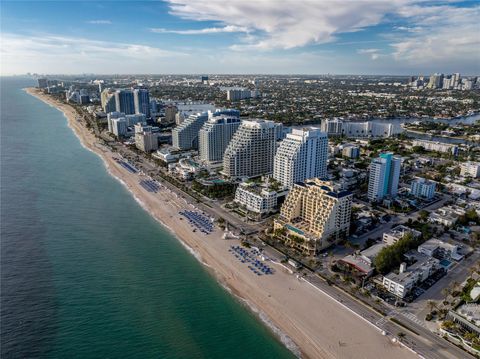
{"x":85,"y":272}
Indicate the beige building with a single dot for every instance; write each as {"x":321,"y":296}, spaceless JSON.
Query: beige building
{"x":315,"y":215}
{"x":145,"y":139}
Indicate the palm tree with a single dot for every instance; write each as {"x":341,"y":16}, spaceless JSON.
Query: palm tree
{"x":432,"y":305}
{"x":446,"y":292}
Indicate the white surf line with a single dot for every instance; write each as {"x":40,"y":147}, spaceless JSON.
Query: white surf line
{"x":358,"y":315}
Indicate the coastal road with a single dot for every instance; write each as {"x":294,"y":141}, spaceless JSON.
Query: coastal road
{"x":207,"y":206}
{"x":425,"y":343}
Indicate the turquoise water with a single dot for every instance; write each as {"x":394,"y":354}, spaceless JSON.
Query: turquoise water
{"x":85,"y":272}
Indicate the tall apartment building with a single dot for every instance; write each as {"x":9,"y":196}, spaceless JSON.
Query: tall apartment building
{"x":436,"y":146}
{"x":124,"y":101}
{"x":170,"y":113}
{"x":384,"y":177}
{"x":251,"y":151}
{"x":435,"y":81}
{"x":119,"y":126}
{"x":145,"y":139}
{"x":185,"y":135}
{"x":215,"y":135}
{"x":302,"y":155}
{"x":141,"y":100}
{"x":42,"y":83}
{"x":108,"y":101}
{"x":314,"y":216}
{"x":240,"y":94}
{"x":126,"y":121}
{"x":423,"y":188}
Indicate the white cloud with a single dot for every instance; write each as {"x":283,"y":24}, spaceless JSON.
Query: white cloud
{"x":288,"y":24}
{"x":438,"y":35}
{"x":54,"y":54}
{"x":449,"y":37}
{"x":373,"y":53}
{"x":100,"y":22}
{"x":209,"y":30}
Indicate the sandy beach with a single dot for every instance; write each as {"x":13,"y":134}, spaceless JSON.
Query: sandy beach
{"x":308,"y":321}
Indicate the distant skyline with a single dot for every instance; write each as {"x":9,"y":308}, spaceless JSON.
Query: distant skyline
{"x":395,"y":37}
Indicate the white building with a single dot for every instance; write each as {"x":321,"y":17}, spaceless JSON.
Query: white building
{"x":397,"y":233}
{"x":252,"y":148}
{"x":332,"y":127}
{"x":423,"y":188}
{"x":384,"y":177}
{"x":215,"y":135}
{"x":436,"y":146}
{"x":185,"y":135}
{"x":439,"y":249}
{"x":402,"y":283}
{"x":470,"y":169}
{"x":119,"y":126}
{"x":118,"y":122}
{"x":336,"y":127}
{"x":255,"y":198}
{"x":111,"y":116}
{"x":241,"y":94}
{"x":447,"y":215}
{"x":368,"y":129}
{"x":302,"y":155}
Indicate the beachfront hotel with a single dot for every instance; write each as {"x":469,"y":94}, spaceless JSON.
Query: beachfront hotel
{"x":215,"y":135}
{"x":302,"y":154}
{"x":185,"y":135}
{"x":251,"y":151}
{"x":315,"y":215}
{"x":384,"y":177}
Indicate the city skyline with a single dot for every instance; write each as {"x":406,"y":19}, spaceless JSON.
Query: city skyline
{"x":181,"y":36}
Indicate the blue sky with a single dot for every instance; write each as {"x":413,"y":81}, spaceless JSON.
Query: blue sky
{"x":241,"y":36}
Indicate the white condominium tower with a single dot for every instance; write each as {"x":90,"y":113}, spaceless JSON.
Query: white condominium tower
{"x":315,"y":215}
{"x":185,"y":135}
{"x":384,"y":177}
{"x":215,"y":135}
{"x":302,"y":154}
{"x":250,"y":152}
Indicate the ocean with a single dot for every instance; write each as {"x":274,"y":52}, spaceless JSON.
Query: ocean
{"x":86,"y":272}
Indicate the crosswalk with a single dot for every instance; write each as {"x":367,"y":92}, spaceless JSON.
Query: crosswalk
{"x":414,"y":319}
{"x":381,"y":322}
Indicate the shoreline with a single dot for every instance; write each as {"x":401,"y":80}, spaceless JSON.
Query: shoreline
{"x":305,"y":320}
